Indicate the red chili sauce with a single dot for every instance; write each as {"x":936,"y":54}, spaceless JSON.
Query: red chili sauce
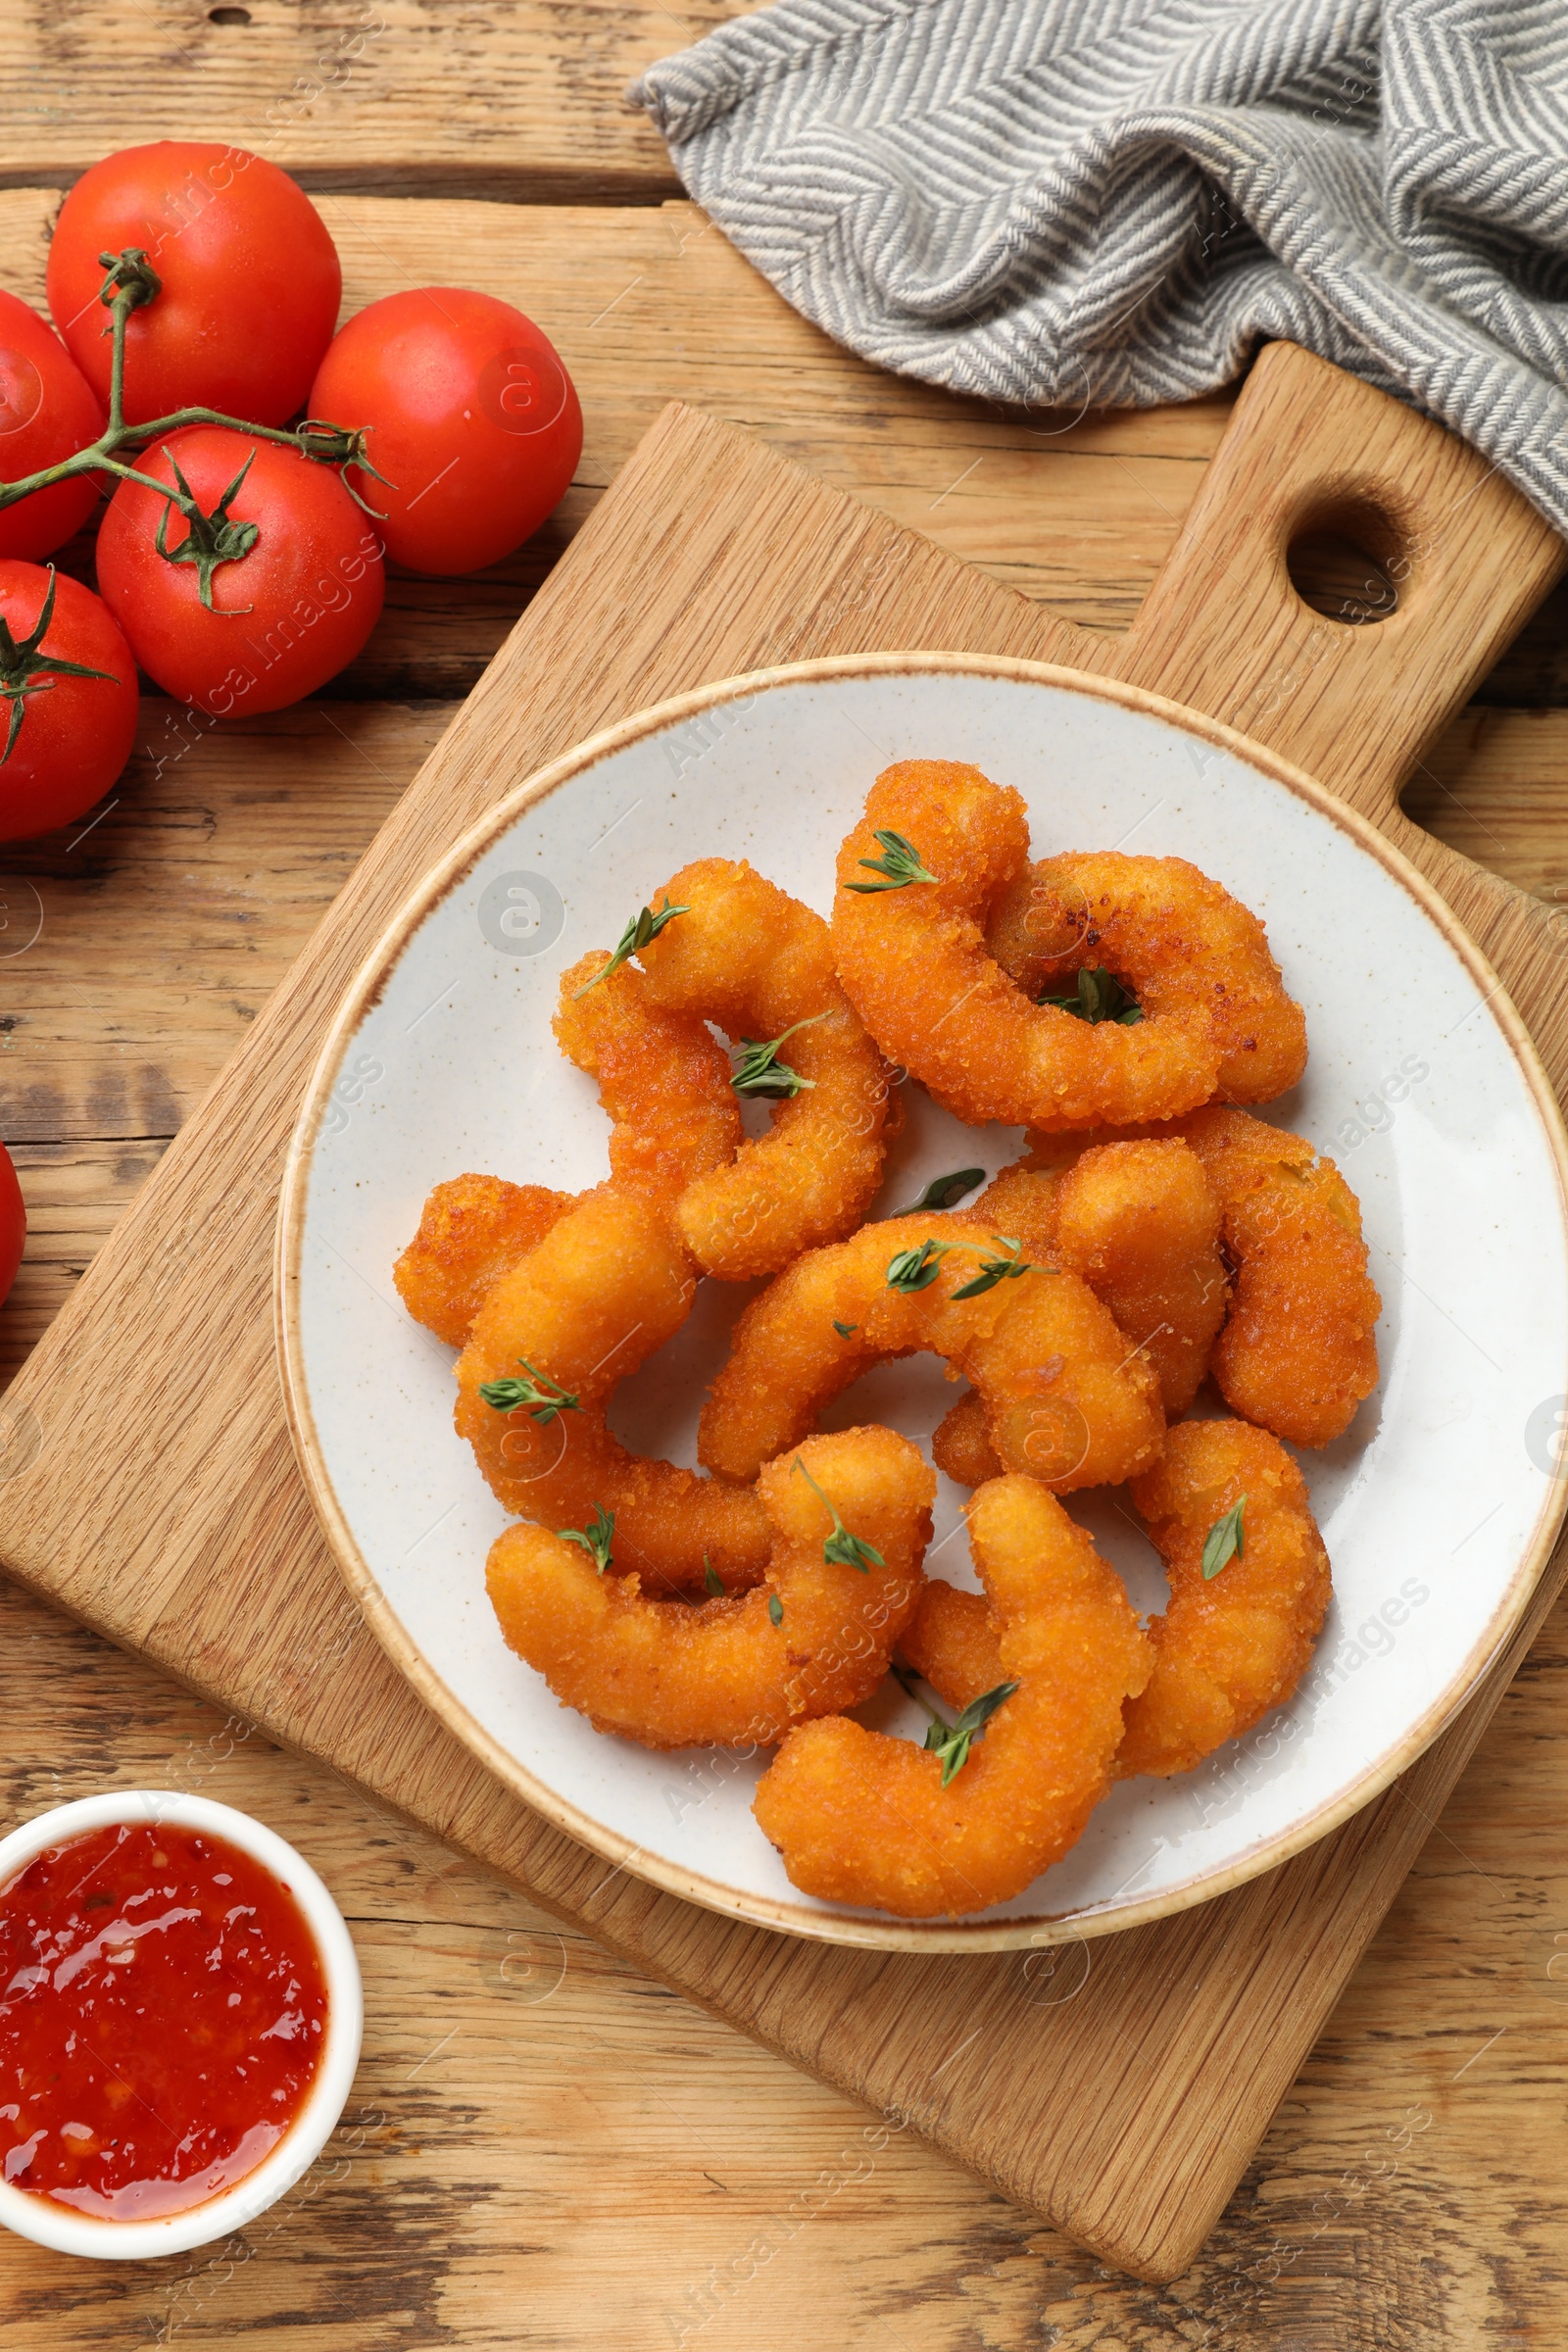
{"x":162,"y":2018}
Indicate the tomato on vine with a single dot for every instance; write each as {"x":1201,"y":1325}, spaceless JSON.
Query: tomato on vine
{"x":48,"y":411}
{"x":13,"y":1223}
{"x":254,"y":586}
{"x":473,"y":424}
{"x":248,"y":280}
{"x":68,"y":700}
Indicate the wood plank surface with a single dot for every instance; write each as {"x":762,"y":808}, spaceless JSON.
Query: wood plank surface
{"x":1134,"y":2149}
{"x":1495,"y":784}
{"x":546,"y":2147}
{"x":522,"y":101}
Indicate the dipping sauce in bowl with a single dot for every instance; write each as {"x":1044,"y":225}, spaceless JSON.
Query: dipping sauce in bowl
{"x":161,"y":2019}
{"x":179,"y":2023}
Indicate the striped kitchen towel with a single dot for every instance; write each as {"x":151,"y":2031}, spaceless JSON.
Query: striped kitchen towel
{"x":1082,"y":203}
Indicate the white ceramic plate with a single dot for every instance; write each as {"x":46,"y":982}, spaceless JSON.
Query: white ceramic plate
{"x":1439,"y":1506}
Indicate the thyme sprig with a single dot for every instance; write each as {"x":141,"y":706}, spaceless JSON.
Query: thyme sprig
{"x":596,"y":1538}
{"x":1098,"y":997}
{"x":917,"y":1270}
{"x":1003,"y":1268}
{"x":943,"y":1191}
{"x":1226,"y":1539}
{"x":643,"y":925}
{"x":763,"y":1074}
{"x":842,"y":1549}
{"x":951,"y":1741}
{"x":901,"y":864}
{"x":543,"y":1396}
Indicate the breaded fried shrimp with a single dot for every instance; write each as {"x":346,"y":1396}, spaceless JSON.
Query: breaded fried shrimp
{"x":1190,"y":954}
{"x":662,"y":1078}
{"x":602,"y":1290}
{"x":1138,"y":1223}
{"x":860,"y":1817}
{"x":816,"y":1637}
{"x":1299,"y":1350}
{"x":961,"y":1442}
{"x":1066,"y":1398}
{"x":474,"y":1230}
{"x":953,"y":1639}
{"x":917,"y":965}
{"x":754,"y":961}
{"x":665,"y":1085}
{"x":1230,"y":1645}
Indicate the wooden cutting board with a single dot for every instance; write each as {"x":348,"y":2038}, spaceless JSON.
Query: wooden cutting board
{"x":1118,"y":2087}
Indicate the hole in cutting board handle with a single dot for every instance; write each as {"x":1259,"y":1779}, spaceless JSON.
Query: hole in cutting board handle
{"x":1349,"y":561}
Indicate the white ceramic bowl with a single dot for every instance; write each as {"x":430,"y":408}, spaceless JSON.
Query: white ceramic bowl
{"x":68,"y":2232}
{"x":1438,"y":1505}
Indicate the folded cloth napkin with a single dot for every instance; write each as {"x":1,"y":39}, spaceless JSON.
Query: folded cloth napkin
{"x":1086,"y":203}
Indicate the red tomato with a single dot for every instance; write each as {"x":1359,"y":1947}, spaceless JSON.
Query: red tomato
{"x":286,"y":616}
{"x":250,"y":281}
{"x":13,"y":1223}
{"x":472,"y":418}
{"x":75,"y":734}
{"x":48,"y":411}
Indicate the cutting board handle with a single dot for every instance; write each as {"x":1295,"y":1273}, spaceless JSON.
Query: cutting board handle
{"x":1355,"y":695}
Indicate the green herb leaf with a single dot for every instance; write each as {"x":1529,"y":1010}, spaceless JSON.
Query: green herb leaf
{"x":23,"y":666}
{"x":542,"y":1396}
{"x":775,"y":1608}
{"x":902,"y":864}
{"x":943,"y":1191}
{"x":995,"y":1269}
{"x":1225,"y":1540}
{"x":644,"y":926}
{"x":844,"y":1328}
{"x":762,"y":1073}
{"x":917,"y":1269}
{"x":952,"y":1744}
{"x":1098,"y":998}
{"x":842,"y":1549}
{"x":210,"y":539}
{"x":596,"y":1538}
{"x":711,"y":1578}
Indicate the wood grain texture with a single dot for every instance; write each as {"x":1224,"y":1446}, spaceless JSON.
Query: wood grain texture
{"x":545,"y":2147}
{"x":523,"y":101}
{"x":1127,"y":2112}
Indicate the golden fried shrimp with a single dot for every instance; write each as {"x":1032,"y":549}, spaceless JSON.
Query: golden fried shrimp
{"x":606,"y":1287}
{"x":1066,"y":1399}
{"x":1299,"y":1350}
{"x":1234,"y":1644}
{"x":915,"y":964}
{"x":1138,"y":1223}
{"x":816,"y":1637}
{"x":662,"y":1078}
{"x":1190,"y":954}
{"x":754,"y":961}
{"x":474,"y":1230}
{"x":665,"y":1085}
{"x":961,"y":1442}
{"x":953,"y":1639}
{"x":862,"y":1818}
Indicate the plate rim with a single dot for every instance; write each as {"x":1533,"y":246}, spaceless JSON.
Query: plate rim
{"x":854,"y":1929}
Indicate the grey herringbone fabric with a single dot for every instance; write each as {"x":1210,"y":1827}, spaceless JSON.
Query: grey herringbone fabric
{"x":1111,"y":201}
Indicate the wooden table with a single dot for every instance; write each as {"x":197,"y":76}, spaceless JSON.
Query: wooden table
{"x":544,"y":2147}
